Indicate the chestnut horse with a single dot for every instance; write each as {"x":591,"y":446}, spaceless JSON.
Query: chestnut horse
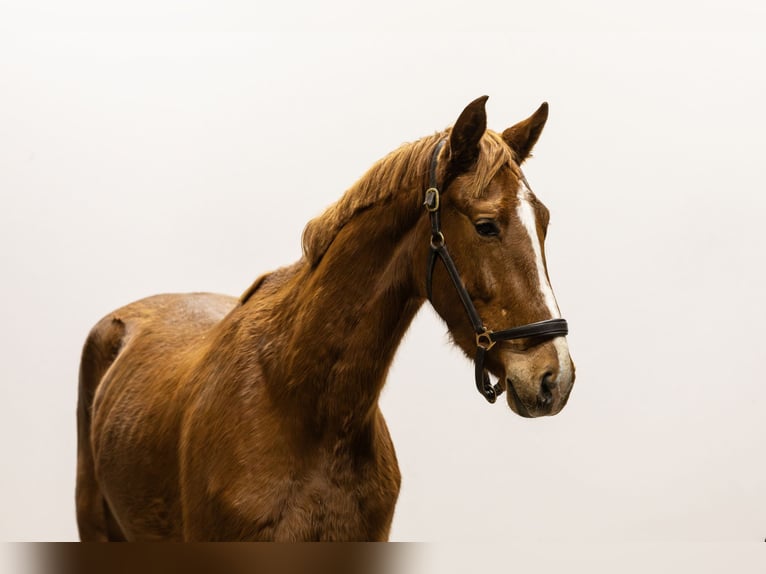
{"x":206,"y":417}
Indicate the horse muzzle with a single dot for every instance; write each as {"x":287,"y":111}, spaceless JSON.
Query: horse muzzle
{"x":542,"y":394}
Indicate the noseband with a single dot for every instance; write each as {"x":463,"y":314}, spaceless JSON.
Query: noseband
{"x":485,"y":338}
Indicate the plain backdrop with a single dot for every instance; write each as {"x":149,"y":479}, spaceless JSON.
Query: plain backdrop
{"x":171,"y":146}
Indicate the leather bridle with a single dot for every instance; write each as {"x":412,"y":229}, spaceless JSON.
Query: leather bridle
{"x":485,"y":338}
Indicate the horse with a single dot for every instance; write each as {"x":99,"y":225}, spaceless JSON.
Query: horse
{"x":204,"y":417}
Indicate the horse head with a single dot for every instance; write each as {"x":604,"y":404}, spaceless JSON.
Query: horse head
{"x":482,"y":207}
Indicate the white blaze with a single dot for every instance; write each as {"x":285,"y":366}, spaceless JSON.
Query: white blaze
{"x":526,"y":214}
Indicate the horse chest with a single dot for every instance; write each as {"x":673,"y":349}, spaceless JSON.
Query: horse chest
{"x":354,"y":506}
{"x":328,"y":496}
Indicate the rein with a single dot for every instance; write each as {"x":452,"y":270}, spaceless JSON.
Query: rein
{"x":485,"y":338}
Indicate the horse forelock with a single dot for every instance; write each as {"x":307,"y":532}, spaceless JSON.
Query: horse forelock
{"x":392,"y":177}
{"x":494,"y":154}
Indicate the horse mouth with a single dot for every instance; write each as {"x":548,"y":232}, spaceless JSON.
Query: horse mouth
{"x":545,"y":403}
{"x":514,"y":401}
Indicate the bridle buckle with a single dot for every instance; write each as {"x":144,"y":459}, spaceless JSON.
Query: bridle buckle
{"x":485,"y":340}
{"x":432,"y":200}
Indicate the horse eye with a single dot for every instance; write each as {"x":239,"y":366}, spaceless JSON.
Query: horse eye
{"x":487,"y":228}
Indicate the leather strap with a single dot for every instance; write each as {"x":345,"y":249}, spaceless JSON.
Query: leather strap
{"x":548,"y":328}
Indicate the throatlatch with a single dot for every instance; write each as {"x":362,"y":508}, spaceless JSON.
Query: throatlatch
{"x":485,"y":338}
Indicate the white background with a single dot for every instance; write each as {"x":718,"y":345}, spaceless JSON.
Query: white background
{"x":171,"y":146}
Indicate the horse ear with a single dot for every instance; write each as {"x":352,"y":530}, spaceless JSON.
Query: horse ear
{"x":465,"y":135}
{"x":523,"y":136}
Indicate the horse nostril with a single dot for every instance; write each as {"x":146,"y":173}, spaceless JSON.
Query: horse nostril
{"x":547,"y":384}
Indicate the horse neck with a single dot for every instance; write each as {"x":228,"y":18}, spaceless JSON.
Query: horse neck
{"x":336,"y":326}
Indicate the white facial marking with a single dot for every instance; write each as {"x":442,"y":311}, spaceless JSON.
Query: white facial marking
{"x":526,"y":214}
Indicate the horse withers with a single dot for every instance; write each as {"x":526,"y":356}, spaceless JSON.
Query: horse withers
{"x":207,"y":417}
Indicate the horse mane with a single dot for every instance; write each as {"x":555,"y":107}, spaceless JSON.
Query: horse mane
{"x":396,"y":173}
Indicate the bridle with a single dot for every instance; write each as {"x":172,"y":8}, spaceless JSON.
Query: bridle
{"x":485,"y":338}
